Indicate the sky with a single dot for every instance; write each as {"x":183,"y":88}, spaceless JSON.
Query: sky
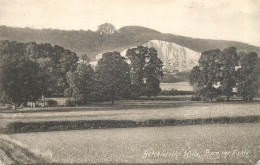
{"x":237,"y":20}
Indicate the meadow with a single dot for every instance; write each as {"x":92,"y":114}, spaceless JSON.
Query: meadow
{"x":129,"y":113}
{"x":130,"y":145}
{"x":122,"y":133}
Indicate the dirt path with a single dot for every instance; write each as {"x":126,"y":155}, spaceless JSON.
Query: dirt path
{"x":13,"y":153}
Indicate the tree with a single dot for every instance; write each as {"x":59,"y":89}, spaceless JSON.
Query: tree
{"x":249,"y":76}
{"x":112,"y":75}
{"x":207,"y":74}
{"x":45,"y":64}
{"x":85,"y":58}
{"x":153,"y":73}
{"x":81,"y":83}
{"x":18,"y":75}
{"x":106,"y":28}
{"x":137,"y":58}
{"x":228,"y":62}
{"x":146,"y":71}
{"x":195,"y":78}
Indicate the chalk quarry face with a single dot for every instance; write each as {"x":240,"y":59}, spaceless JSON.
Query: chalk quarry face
{"x":173,"y":56}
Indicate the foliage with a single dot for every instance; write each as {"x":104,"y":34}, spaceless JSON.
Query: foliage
{"x":218,"y":73}
{"x":152,"y":73}
{"x":69,"y":103}
{"x":112,"y":76}
{"x":204,"y":76}
{"x":18,"y":74}
{"x":106,"y":28}
{"x":137,"y":58}
{"x":228,"y":77}
{"x":81,"y":84}
{"x":81,"y":41}
{"x":29,"y":70}
{"x":195,"y":98}
{"x":171,"y":92}
{"x":249,"y":76}
{"x":146,"y":70}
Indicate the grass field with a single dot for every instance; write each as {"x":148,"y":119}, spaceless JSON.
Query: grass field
{"x":129,"y":110}
{"x":129,"y":145}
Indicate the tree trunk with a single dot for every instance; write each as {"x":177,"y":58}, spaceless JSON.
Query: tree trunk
{"x":228,"y":96}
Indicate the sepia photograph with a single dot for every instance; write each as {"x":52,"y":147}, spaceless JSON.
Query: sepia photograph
{"x":130,"y":82}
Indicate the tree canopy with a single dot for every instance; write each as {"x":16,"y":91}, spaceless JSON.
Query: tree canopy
{"x":218,"y":73}
{"x":146,"y":70}
{"x":112,"y":76}
{"x":29,"y":70}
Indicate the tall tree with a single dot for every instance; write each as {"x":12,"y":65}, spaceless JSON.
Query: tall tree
{"x":153,"y":73}
{"x":228,"y":62}
{"x":18,"y":75}
{"x":81,"y":83}
{"x":146,"y":71}
{"x":195,"y":78}
{"x":112,"y":75}
{"x":137,"y":59}
{"x":206,"y":75}
{"x":249,"y":76}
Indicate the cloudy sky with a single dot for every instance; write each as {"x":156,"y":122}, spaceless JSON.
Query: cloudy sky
{"x":237,"y":20}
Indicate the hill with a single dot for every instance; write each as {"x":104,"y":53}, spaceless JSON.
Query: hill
{"x":175,"y":58}
{"x":92,"y":43}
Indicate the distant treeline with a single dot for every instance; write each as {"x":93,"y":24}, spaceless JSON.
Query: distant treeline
{"x":30,"y":71}
{"x":175,"y":77}
{"x":96,"y":42}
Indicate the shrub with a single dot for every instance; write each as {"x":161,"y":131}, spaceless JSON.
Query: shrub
{"x":69,"y":103}
{"x":220,"y":99}
{"x":51,"y":103}
{"x":195,"y":98}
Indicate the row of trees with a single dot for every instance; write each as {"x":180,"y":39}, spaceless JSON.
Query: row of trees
{"x":219,"y":72}
{"x":29,"y":71}
{"x":117,"y":76}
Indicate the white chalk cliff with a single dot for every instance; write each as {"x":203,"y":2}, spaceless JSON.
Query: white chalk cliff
{"x":173,"y":56}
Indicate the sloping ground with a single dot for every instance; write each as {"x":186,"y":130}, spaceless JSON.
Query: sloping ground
{"x":13,"y":153}
{"x":173,"y":56}
{"x":91,"y":43}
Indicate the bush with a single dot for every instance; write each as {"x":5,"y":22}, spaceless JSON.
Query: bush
{"x":171,"y":92}
{"x":195,"y":98}
{"x":51,"y":103}
{"x":220,"y":99}
{"x":69,"y":103}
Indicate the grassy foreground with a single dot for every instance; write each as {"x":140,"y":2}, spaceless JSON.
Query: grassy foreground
{"x":184,"y":144}
{"x":141,"y":113}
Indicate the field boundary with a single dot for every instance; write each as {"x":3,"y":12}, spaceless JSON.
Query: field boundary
{"x":26,"y":127}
